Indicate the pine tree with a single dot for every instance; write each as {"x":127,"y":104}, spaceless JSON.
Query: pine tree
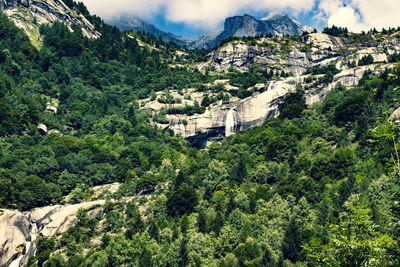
{"x":292,"y":242}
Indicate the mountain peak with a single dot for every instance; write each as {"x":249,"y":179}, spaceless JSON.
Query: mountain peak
{"x":136,"y":24}
{"x":274,"y":16}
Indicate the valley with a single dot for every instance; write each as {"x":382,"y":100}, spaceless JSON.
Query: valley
{"x":276,"y":146}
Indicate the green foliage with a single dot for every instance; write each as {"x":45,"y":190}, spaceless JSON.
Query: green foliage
{"x":245,"y":80}
{"x":366,"y":60}
{"x":354,"y":242}
{"x":279,"y":194}
{"x":293,"y":105}
{"x":44,"y":247}
{"x":182,"y":200}
{"x":336,"y":31}
{"x":351,"y":108}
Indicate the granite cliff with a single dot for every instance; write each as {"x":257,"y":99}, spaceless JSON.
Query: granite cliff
{"x":294,"y":55}
{"x":19,"y":230}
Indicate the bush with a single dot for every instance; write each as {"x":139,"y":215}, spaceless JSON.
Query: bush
{"x":366,"y":60}
{"x":350,"y":108}
{"x":293,"y":105}
{"x":182,"y":200}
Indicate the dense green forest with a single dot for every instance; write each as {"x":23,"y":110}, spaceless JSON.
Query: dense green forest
{"x":318,"y":185}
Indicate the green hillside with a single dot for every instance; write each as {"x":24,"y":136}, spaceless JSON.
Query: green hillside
{"x":318,"y":185}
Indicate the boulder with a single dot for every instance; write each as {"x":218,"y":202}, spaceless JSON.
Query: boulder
{"x":53,"y":131}
{"x":395,"y":115}
{"x":51,"y":109}
{"x":42,"y":129}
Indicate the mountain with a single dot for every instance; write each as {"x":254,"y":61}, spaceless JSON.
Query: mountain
{"x":294,"y":61}
{"x":95,"y":169}
{"x":283,"y":25}
{"x":237,"y":26}
{"x":136,"y":24}
{"x":248,"y":26}
{"x":29,"y":15}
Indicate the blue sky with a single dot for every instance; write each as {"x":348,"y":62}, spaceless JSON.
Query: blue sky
{"x":190,"y":18}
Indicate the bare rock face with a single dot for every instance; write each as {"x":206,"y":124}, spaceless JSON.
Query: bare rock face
{"x":246,"y":25}
{"x":348,"y":78}
{"x":294,"y":55}
{"x":28,"y":15}
{"x":14,"y":233}
{"x":201,"y":129}
{"x":57,"y":219}
{"x":18,"y":230}
{"x":299,"y":56}
{"x":12,"y":3}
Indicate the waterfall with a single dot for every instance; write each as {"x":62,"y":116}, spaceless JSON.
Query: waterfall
{"x":30,"y":248}
{"x":270,"y":85}
{"x":230,"y":122}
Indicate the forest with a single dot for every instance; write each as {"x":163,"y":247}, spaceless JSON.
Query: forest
{"x":318,"y":185}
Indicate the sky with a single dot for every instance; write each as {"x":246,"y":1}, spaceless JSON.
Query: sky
{"x":190,"y":18}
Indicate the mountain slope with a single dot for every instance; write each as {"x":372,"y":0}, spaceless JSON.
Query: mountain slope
{"x":135,"y":24}
{"x":257,"y":74}
{"x":316,"y":185}
{"x":29,"y":15}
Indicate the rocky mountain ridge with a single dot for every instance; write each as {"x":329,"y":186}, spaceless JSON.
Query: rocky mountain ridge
{"x":237,"y":26}
{"x":30,"y":14}
{"x":136,"y":24}
{"x":248,"y":26}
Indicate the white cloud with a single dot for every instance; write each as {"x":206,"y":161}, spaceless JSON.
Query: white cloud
{"x":209,"y":13}
{"x":358,"y":15}
{"x":111,"y":8}
{"x":201,"y":13}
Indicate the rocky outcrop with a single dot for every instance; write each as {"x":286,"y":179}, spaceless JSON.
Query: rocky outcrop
{"x":201,"y":129}
{"x":297,"y":56}
{"x":57,"y":219}
{"x":18,"y":230}
{"x":348,"y":78}
{"x":52,"y":105}
{"x":14,"y":233}
{"x":29,"y":14}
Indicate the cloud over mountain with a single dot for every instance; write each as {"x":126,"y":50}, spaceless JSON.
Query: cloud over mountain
{"x":360,"y":15}
{"x":205,"y":14}
{"x":357,"y":15}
